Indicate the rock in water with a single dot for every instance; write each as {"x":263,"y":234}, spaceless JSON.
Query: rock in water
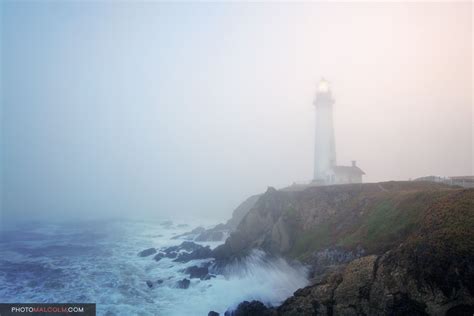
{"x":209,"y":276}
{"x":171,"y":255}
{"x":189,"y":246}
{"x":253,"y":308}
{"x":149,"y":283}
{"x":191,"y":234}
{"x":183,"y":284}
{"x":213,"y":313}
{"x":197,"y":272}
{"x":147,"y":252}
{"x":201,"y":253}
{"x":159,"y":256}
{"x":210,"y":235}
{"x":185,"y":245}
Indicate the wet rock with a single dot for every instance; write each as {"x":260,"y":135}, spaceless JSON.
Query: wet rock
{"x":152,"y":284}
{"x":196,"y":272}
{"x":187,"y":250}
{"x":191,"y":234}
{"x":171,"y":255}
{"x":209,"y":276}
{"x":200,"y":253}
{"x":147,"y":252}
{"x":210,"y":235}
{"x":213,"y":313}
{"x":185,"y":245}
{"x":159,"y":256}
{"x":253,"y":308}
{"x":183,"y":284}
{"x":189,"y":246}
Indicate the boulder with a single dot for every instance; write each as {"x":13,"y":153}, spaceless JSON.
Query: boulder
{"x":253,"y":308}
{"x":196,"y":272}
{"x":171,"y":255}
{"x":200,"y":253}
{"x":147,"y":252}
{"x":159,"y":256}
{"x":189,"y":246}
{"x":183,"y":284}
{"x":213,"y":313}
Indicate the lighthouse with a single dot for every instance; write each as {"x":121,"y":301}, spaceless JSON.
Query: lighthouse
{"x":326,"y":171}
{"x":324,"y":143}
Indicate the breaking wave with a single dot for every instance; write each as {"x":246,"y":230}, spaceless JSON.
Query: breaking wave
{"x":98,"y":263}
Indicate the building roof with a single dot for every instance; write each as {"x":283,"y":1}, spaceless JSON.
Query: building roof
{"x":349,"y":170}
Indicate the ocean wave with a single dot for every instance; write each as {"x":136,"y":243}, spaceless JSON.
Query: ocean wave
{"x":75,"y":264}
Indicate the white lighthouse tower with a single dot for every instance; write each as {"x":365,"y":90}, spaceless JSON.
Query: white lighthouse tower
{"x":324,"y":143}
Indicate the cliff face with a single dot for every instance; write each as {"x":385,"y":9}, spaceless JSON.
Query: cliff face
{"x":375,"y":217}
{"x":239,"y":213}
{"x":220,"y":231}
{"x":400,"y":248}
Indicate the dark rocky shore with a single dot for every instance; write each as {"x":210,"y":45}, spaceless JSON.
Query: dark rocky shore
{"x":394,"y":248}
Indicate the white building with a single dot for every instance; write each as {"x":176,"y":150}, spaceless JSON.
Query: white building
{"x":326,"y":170}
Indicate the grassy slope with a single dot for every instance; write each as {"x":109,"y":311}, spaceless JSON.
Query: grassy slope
{"x":379,"y":221}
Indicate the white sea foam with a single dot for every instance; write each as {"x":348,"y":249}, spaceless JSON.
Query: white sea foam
{"x":100,"y":264}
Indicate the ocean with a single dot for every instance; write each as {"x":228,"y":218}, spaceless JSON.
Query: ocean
{"x":97,"y":262}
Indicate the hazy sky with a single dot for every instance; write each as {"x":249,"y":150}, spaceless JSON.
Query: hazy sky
{"x":155,"y":109}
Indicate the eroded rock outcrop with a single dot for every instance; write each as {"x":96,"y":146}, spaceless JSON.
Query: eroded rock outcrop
{"x":221,"y":231}
{"x":253,"y":308}
{"x":147,"y":252}
{"x":183,"y":284}
{"x":395,"y":248}
{"x":375,"y":285}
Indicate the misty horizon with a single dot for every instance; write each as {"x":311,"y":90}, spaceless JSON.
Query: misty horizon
{"x":148,"y":110}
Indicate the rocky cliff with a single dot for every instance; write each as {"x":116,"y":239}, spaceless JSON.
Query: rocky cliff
{"x":239,"y":213}
{"x":394,"y":248}
{"x":221,"y":231}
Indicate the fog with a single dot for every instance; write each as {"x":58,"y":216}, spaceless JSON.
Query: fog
{"x":154,"y":110}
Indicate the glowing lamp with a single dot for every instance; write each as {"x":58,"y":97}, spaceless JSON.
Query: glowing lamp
{"x":323,"y":86}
